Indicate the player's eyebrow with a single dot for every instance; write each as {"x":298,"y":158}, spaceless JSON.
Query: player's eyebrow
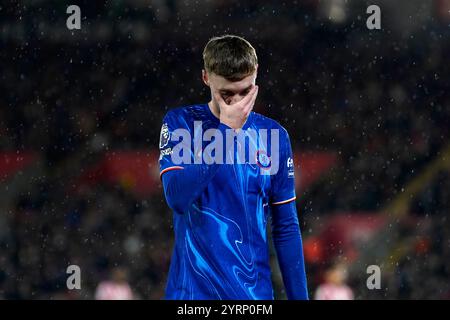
{"x":227,"y":91}
{"x":248,"y":88}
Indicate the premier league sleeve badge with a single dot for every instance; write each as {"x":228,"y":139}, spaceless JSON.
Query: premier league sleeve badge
{"x":164,"y":136}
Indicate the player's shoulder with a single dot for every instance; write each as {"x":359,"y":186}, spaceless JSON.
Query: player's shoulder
{"x":184,"y":113}
{"x":262,"y":121}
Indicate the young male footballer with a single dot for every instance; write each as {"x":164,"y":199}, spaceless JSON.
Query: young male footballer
{"x":226,"y":171}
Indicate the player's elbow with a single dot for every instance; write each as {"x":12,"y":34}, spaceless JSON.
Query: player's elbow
{"x":176,"y":204}
{"x":175,"y":199}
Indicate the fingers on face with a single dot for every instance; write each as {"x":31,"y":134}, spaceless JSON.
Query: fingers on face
{"x":252,"y":98}
{"x":245,"y":104}
{"x":219,"y":98}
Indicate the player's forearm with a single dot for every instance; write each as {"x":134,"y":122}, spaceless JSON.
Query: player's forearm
{"x":288,"y":244}
{"x":290,"y":257}
{"x":182,"y":187}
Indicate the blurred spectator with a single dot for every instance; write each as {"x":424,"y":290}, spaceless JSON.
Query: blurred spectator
{"x":117,"y":288}
{"x":334,"y":287}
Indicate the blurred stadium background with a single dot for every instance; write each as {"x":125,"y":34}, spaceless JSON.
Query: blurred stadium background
{"x":368,"y":113}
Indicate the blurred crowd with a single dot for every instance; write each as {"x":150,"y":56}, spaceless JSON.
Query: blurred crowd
{"x":418,"y":264}
{"x":100,"y":229}
{"x":381,"y":103}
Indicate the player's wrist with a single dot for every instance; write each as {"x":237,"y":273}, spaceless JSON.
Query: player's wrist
{"x":232,"y":123}
{"x":223,"y":127}
{"x":228,"y":124}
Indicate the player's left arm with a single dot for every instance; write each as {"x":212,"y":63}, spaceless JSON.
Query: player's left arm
{"x":286,"y":232}
{"x":288,"y":245}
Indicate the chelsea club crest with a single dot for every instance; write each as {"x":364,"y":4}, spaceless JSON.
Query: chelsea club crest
{"x":263,"y":160}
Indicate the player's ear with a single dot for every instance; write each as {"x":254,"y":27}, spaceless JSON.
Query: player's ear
{"x":205,"y":77}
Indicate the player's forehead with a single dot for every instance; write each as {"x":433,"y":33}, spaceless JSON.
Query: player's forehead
{"x":234,"y":86}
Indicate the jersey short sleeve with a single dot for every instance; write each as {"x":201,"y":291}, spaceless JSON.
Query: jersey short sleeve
{"x":283,"y":182}
{"x":167,"y":144}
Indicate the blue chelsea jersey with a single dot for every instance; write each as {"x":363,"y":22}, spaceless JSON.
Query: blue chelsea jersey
{"x":221,"y":249}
